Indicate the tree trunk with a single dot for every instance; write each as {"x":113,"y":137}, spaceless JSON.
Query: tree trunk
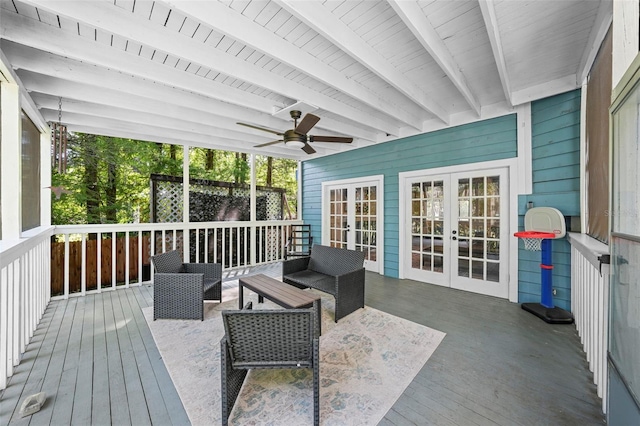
{"x":241,"y":170}
{"x":111,"y":191}
{"x":269,"y":171}
{"x":210,"y":159}
{"x":172,"y":151}
{"x":91,"y":179}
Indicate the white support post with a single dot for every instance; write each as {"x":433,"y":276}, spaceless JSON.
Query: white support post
{"x":11,"y":161}
{"x":253,"y":215}
{"x":625,"y":37}
{"x":583,"y":157}
{"x":83,"y":267}
{"x":45,"y":178}
{"x":185,"y":203}
{"x":299,"y":180}
{"x":99,"y":261}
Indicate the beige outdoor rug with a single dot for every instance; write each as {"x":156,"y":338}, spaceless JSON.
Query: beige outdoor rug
{"x":366,"y":362}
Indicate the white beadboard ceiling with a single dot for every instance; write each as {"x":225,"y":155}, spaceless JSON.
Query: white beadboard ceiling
{"x":185,"y":72}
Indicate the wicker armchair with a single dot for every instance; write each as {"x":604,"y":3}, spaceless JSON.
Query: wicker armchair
{"x":283,"y":338}
{"x":179,"y":289}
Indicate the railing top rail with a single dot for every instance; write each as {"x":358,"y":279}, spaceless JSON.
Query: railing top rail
{"x":11,"y":250}
{"x":133,"y":227}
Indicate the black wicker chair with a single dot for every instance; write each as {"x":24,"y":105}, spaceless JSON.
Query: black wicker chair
{"x":283,"y":338}
{"x":339,"y":272}
{"x":180,"y":289}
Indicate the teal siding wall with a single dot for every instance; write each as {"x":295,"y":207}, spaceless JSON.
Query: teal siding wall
{"x":556,"y":183}
{"x":493,"y":139}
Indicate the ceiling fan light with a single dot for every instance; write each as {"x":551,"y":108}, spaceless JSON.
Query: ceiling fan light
{"x":295,"y":144}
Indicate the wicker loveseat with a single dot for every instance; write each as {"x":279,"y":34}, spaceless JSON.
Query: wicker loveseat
{"x":180,"y":289}
{"x":339,"y":272}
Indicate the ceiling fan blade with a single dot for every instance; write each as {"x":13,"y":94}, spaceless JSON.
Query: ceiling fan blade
{"x":264,"y":129}
{"x":337,"y":139}
{"x":308,"y":149}
{"x":306,"y":124}
{"x":268,"y":143}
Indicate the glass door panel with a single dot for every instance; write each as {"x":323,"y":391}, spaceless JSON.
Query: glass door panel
{"x":351,"y":218}
{"x":366,"y":221}
{"x":455,"y":231}
{"x":428,"y":253}
{"x":477,"y":264}
{"x":338,"y":222}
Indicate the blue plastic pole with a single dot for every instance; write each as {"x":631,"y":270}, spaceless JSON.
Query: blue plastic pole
{"x":546,"y":269}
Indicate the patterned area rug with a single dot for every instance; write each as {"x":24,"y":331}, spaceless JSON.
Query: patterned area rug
{"x":366,"y":362}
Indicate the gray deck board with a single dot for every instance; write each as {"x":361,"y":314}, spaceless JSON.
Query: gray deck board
{"x":177,"y":415}
{"x":158,"y":413}
{"x":64,"y":399}
{"x":43,"y":354}
{"x":100,"y":412}
{"x":116,"y":339}
{"x":81,"y":412}
{"x":497,"y":360}
{"x":498,"y":365}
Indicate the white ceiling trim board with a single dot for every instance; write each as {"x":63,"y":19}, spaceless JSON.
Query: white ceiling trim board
{"x":544,"y":90}
{"x":597,"y":35}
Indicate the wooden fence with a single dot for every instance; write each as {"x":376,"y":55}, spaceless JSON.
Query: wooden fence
{"x":91,"y":261}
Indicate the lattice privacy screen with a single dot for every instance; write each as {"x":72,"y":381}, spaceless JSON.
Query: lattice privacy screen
{"x":211,"y":201}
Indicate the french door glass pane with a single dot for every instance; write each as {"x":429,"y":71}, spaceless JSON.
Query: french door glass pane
{"x":427,"y":225}
{"x":366,"y":221}
{"x":479,"y":228}
{"x":338,"y":218}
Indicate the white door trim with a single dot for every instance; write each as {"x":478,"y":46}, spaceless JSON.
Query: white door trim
{"x":511,"y":165}
{"x":379,"y":181}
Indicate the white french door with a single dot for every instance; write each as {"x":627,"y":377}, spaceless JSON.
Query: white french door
{"x":352,"y":218}
{"x":456,"y":230}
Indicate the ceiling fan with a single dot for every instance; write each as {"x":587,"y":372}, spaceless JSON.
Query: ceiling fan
{"x":297,"y":137}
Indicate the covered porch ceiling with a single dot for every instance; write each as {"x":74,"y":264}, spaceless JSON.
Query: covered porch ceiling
{"x":186,"y":72}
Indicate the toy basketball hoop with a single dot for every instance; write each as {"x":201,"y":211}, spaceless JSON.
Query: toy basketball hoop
{"x":533,"y":239}
{"x":543,"y":225}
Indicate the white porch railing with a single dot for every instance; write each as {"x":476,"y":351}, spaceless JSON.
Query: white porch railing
{"x":24,"y":296}
{"x":27,"y":272}
{"x":590,"y":305}
{"x":86,"y":266}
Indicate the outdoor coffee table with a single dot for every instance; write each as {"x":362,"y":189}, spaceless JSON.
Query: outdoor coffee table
{"x":280,"y":293}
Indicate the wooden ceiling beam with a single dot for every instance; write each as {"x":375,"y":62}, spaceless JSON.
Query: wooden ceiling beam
{"x":414,"y":18}
{"x":322,"y":21}
{"x":103,"y":79}
{"x":210,"y":128}
{"x":227,"y":21}
{"x":38,"y":35}
{"x":487,"y":8}
{"x":155,"y":36}
{"x":177,"y":140}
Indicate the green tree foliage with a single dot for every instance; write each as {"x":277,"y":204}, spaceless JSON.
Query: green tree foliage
{"x":107,"y":179}
{"x":283,"y":175}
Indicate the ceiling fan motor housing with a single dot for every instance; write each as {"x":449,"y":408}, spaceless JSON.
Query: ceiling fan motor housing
{"x":295,"y":139}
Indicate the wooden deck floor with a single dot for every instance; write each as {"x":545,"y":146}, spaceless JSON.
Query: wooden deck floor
{"x":95,"y":358}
